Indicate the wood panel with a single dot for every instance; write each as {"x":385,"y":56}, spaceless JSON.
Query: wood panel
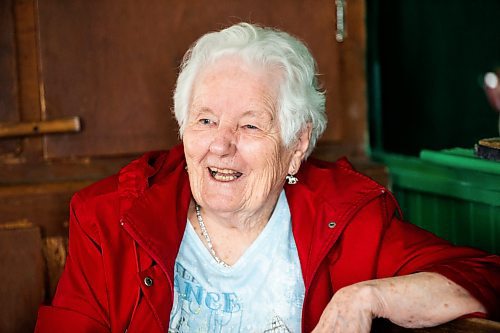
{"x":107,"y":65}
{"x":55,"y":250}
{"x":16,"y":172}
{"x":22,"y":275}
{"x":30,"y":105}
{"x":44,"y":204}
{"x":8,"y":75}
{"x":352,"y":82}
{"x":118,"y":74}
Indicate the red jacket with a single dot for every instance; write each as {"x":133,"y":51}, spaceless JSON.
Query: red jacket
{"x":346,"y":227}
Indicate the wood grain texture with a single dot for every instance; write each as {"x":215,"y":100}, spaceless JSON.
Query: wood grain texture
{"x":24,"y":129}
{"x":121,"y":71}
{"x":22,"y":275}
{"x":47,"y":205}
{"x":8,"y":75}
{"x":29,"y":85}
{"x":54,"y":251}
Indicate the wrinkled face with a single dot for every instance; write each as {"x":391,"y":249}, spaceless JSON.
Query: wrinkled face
{"x":235,"y":155}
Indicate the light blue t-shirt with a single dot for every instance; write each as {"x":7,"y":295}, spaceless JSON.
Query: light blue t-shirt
{"x":262,"y":292}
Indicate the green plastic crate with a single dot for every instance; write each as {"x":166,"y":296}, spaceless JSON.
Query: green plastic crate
{"x":451,"y":193}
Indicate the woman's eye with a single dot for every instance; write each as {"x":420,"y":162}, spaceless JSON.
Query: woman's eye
{"x":252,"y":127}
{"x":205,"y":121}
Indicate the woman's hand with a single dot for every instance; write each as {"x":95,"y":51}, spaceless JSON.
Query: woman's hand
{"x":416,"y":300}
{"x":351,"y":310}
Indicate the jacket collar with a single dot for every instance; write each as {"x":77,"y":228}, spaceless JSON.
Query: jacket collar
{"x":156,"y":194}
{"x":155,"y":198}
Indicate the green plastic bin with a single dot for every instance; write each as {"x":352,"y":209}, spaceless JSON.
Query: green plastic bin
{"x":451,"y":193}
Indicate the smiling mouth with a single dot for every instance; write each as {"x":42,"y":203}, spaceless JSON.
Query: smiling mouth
{"x":224,"y":175}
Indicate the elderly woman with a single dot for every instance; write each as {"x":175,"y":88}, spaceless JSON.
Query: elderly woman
{"x":234,"y":231}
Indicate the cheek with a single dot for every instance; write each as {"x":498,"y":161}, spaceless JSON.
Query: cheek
{"x":194,"y":148}
{"x":194,"y":153}
{"x":268,"y":160}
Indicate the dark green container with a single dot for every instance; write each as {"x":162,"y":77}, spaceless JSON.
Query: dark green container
{"x":451,"y":193}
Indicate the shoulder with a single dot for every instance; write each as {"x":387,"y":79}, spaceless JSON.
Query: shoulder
{"x":117,"y":192}
{"x":337,"y":189}
{"x":338,"y":178}
{"x":135,"y":176}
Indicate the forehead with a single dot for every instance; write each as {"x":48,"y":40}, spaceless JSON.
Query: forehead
{"x":232,"y":80}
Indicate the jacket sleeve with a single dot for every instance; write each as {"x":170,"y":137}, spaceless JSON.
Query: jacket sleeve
{"x":80,"y":303}
{"x":406,"y":248}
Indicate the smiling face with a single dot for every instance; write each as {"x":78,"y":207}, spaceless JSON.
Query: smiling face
{"x":236,"y":159}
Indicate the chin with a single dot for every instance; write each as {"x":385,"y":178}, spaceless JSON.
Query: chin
{"x":222,"y":204}
{"x":222,"y":193}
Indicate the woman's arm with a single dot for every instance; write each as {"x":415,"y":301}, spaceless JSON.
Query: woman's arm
{"x":416,"y":300}
{"x":418,"y":280}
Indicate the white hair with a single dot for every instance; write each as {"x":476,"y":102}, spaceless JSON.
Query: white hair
{"x":300,"y":102}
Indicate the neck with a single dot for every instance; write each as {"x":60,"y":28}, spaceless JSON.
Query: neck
{"x":230,"y":233}
{"x":242,"y":220}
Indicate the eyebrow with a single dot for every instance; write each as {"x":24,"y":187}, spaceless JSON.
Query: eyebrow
{"x":258,"y":114}
{"x":249,"y":113}
{"x":201,"y":110}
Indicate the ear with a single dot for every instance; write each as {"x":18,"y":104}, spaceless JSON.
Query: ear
{"x":299,"y":149}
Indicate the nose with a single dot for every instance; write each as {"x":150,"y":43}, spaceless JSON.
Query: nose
{"x":223,"y":143}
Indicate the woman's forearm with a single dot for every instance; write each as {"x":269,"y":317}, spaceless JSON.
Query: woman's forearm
{"x":416,"y":300}
{"x":422,"y":300}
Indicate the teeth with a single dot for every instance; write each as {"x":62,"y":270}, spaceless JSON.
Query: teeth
{"x":224,"y":171}
{"x":224,"y":175}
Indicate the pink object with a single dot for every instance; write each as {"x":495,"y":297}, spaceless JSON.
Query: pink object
{"x":492,"y":89}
